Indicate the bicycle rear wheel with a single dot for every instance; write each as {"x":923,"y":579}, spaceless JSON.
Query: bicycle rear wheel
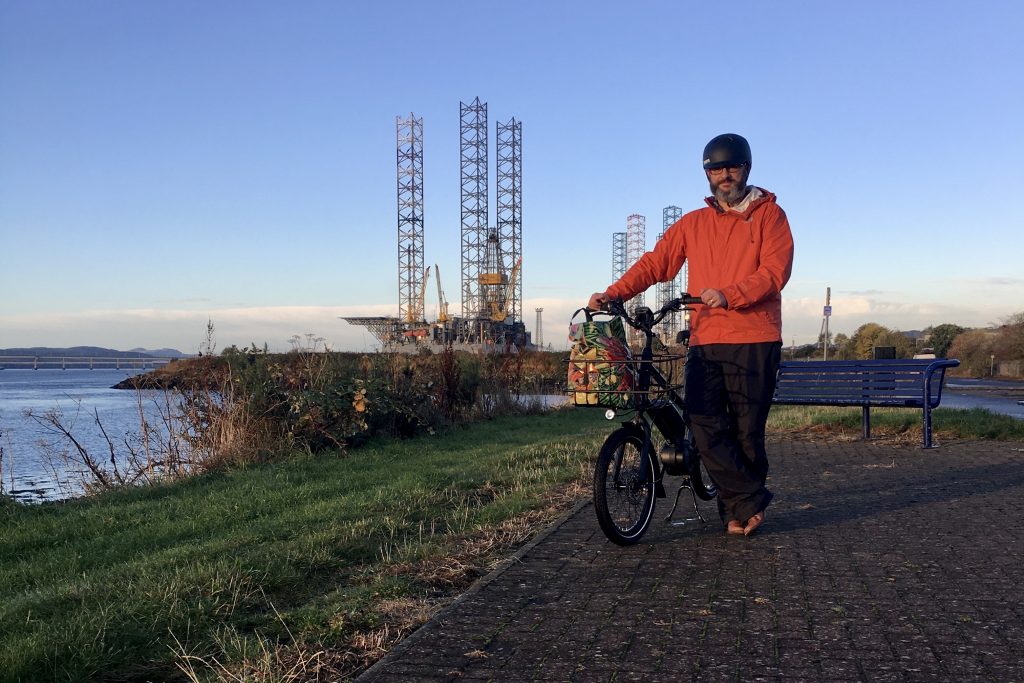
{"x":701,"y":481}
{"x":624,"y":487}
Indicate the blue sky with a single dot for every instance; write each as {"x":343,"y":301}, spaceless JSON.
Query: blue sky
{"x":166,"y":163}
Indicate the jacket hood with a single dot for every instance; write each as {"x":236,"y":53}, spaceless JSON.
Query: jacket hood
{"x":765,"y":198}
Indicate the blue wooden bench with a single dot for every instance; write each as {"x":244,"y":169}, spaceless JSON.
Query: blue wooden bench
{"x":865,"y":383}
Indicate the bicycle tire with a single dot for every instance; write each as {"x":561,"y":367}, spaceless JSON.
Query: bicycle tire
{"x":703,"y":485}
{"x":624,"y":487}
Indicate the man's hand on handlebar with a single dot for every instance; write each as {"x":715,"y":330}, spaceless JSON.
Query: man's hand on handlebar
{"x":600,"y":301}
{"x":597,"y":300}
{"x":714,"y":298}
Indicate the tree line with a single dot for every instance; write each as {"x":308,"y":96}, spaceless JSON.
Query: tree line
{"x":977,"y":349}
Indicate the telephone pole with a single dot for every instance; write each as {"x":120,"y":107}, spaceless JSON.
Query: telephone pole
{"x":824,"y":323}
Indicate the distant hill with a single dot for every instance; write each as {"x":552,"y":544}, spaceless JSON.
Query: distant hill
{"x":92,"y":352}
{"x":164,"y":353}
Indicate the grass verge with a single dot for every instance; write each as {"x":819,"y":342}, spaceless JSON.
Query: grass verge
{"x":901,"y":425}
{"x":307,"y":569}
{"x":310,"y":569}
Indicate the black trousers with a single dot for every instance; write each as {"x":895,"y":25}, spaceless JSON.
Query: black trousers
{"x":729,"y":391}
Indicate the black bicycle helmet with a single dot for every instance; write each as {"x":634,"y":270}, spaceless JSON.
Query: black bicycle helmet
{"x":727,"y":149}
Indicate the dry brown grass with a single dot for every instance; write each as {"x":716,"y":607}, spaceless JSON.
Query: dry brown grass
{"x":221,"y":430}
{"x":836,"y":433}
{"x":443,"y":577}
{"x":272,"y":661}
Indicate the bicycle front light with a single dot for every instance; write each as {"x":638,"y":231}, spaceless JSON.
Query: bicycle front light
{"x":609,"y":414}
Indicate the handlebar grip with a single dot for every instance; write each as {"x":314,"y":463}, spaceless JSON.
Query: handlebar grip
{"x":613,"y":306}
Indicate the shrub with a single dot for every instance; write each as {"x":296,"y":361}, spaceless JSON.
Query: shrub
{"x":247,"y":405}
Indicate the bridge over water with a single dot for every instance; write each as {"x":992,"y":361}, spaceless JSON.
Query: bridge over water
{"x":82,"y":362}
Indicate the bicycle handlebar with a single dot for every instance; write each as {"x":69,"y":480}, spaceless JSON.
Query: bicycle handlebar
{"x":617,"y":307}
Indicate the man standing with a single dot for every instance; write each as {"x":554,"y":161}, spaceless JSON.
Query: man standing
{"x":740,"y":252}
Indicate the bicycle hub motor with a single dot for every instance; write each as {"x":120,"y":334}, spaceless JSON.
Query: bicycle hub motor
{"x":676,"y":459}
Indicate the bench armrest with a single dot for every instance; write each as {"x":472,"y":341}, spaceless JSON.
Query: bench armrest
{"x":936,"y":369}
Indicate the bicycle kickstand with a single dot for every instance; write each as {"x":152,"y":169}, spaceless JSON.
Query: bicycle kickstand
{"x":685,"y":485}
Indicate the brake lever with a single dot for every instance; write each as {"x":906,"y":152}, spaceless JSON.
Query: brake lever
{"x":614,"y":307}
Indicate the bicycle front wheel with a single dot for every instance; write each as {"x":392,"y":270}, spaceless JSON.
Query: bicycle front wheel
{"x":624,"y":487}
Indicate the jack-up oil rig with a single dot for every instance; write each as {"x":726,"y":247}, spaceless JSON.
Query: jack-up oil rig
{"x":491,"y":284}
{"x":627,"y":248}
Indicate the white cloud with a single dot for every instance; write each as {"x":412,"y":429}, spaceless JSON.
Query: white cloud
{"x":994,"y":282}
{"x":185,"y":330}
{"x":802,"y":317}
{"x":275,"y":325}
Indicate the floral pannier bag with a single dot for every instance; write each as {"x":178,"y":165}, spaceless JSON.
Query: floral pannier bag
{"x":601,"y":372}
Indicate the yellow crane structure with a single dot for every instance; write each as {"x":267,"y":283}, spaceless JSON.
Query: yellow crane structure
{"x":499,"y":311}
{"x":442,"y":303}
{"x":421,"y":310}
{"x":416,"y":315}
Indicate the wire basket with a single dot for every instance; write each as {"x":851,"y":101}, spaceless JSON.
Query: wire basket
{"x":614,"y":383}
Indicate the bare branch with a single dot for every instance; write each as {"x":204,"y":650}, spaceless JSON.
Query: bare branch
{"x":52,"y":421}
{"x":110,"y":445}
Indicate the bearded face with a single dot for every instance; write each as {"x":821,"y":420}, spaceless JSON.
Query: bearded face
{"x":729,"y":185}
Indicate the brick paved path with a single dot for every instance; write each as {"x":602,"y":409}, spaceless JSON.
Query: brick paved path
{"x":876,"y":563}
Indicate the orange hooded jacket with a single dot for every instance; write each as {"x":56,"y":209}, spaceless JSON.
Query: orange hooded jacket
{"x":748,"y":256}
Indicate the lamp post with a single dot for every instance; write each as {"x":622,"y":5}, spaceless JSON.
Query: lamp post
{"x":992,"y":366}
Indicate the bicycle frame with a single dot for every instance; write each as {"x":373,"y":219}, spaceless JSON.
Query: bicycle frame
{"x":666,"y":413}
{"x":648,"y":411}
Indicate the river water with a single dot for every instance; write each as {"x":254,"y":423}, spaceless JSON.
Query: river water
{"x":32,"y":468}
{"x":1001,"y":396}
